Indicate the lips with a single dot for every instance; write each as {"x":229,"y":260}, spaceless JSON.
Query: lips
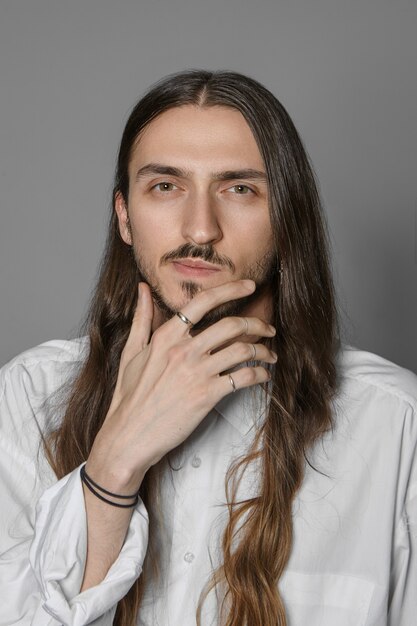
{"x":195,"y":267}
{"x":198,"y":264}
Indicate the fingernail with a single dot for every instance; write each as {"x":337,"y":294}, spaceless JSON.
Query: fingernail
{"x":274,"y":355}
{"x":250,"y":284}
{"x":272,"y":329}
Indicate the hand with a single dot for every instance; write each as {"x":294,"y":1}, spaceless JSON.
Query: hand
{"x":167,"y":384}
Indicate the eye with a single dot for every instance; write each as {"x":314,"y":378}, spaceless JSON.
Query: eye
{"x":241,"y":189}
{"x":164,"y":187}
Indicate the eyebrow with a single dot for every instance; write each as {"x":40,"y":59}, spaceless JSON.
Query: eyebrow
{"x":167,"y":170}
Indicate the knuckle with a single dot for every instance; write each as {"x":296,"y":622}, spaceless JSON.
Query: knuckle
{"x":175,"y":353}
{"x":249,"y":376}
{"x":241,"y":350}
{"x":240,"y":325}
{"x":232,"y":325}
{"x":247,"y":351}
{"x":158,"y":338}
{"x":230,"y":352}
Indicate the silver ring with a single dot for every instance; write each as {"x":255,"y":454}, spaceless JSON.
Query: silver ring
{"x":254,"y":351}
{"x":232,"y":382}
{"x":247,"y":326}
{"x":185,"y":319}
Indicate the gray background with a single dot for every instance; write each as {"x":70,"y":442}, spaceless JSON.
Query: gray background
{"x":71,"y":71}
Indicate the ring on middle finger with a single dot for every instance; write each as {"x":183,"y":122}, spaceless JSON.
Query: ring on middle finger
{"x":254,"y":351}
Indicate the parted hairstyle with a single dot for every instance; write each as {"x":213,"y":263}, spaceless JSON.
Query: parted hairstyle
{"x":257,"y":540}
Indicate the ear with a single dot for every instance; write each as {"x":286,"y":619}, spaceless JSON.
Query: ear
{"x":123,"y":218}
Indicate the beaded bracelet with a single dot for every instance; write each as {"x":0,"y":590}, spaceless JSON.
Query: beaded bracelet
{"x":93,"y":486}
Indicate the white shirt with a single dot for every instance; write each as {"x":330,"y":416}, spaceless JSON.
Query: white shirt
{"x":354,"y":558}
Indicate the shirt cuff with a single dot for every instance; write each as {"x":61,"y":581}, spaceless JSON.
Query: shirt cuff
{"x":58,"y":554}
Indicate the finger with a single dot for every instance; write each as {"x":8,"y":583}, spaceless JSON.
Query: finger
{"x":229,"y":328}
{"x":238,"y":353}
{"x":140,"y":330}
{"x":244,"y":377}
{"x":208,"y":299}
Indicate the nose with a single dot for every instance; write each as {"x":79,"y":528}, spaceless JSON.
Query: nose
{"x":200,"y":221}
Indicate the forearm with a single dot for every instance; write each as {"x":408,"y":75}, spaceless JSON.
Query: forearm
{"x":106,"y":532}
{"x":107,"y":526}
{"x":43,"y":556}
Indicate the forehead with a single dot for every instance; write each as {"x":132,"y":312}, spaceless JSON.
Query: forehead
{"x":217,"y":137}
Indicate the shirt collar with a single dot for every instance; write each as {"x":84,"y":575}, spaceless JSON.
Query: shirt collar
{"x":245,"y":408}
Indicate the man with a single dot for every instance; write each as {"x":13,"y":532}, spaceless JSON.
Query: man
{"x":220,"y":458}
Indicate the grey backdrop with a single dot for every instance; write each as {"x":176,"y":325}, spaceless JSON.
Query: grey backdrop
{"x":70,"y":72}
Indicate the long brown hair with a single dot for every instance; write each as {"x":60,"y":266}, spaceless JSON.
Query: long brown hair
{"x":303,"y":382}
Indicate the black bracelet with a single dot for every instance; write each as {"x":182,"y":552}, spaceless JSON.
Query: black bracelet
{"x":88,"y":482}
{"x":109,"y":493}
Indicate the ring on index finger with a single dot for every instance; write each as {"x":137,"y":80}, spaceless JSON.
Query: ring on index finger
{"x":185,"y":319}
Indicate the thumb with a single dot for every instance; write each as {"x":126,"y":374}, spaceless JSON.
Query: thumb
{"x":140,"y":330}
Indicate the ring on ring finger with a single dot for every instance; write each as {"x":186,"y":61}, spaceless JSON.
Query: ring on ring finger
{"x":246,"y":325}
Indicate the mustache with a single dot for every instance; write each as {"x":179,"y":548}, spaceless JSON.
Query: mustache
{"x":205,"y":253}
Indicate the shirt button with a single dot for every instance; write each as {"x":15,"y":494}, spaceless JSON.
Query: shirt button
{"x":189,"y":557}
{"x":196,"y":462}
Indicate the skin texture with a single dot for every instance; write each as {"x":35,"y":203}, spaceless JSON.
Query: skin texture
{"x":164,"y":212}
{"x":202,"y":209}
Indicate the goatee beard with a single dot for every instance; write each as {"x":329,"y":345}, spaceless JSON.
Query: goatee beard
{"x":263,"y":274}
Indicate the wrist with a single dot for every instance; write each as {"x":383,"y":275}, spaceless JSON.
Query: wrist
{"x":122,"y":501}
{"x":112,"y":473}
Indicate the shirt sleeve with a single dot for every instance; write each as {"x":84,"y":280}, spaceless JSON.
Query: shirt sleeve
{"x":403,"y":596}
{"x":43,"y":531}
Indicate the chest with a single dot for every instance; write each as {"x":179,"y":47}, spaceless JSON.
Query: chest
{"x":338,"y":571}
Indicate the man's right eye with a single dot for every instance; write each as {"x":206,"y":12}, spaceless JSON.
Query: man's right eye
{"x":164,"y":186}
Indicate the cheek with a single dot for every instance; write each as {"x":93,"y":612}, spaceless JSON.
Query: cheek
{"x":143,"y":227}
{"x":153,"y":237}
{"x":255,"y":239}
{"x":152,"y":221}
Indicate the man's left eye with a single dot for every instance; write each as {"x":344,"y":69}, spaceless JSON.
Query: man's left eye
{"x":241,"y":189}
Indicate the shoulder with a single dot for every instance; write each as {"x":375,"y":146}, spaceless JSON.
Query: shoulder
{"x":44,"y":363}
{"x":28,"y":380}
{"x":376,"y":402}
{"x":376,"y":426}
{"x":376,"y":418}
{"x":370,"y":375}
{"x":55,"y":351}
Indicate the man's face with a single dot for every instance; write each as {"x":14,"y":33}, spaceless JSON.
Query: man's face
{"x":197,"y":209}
